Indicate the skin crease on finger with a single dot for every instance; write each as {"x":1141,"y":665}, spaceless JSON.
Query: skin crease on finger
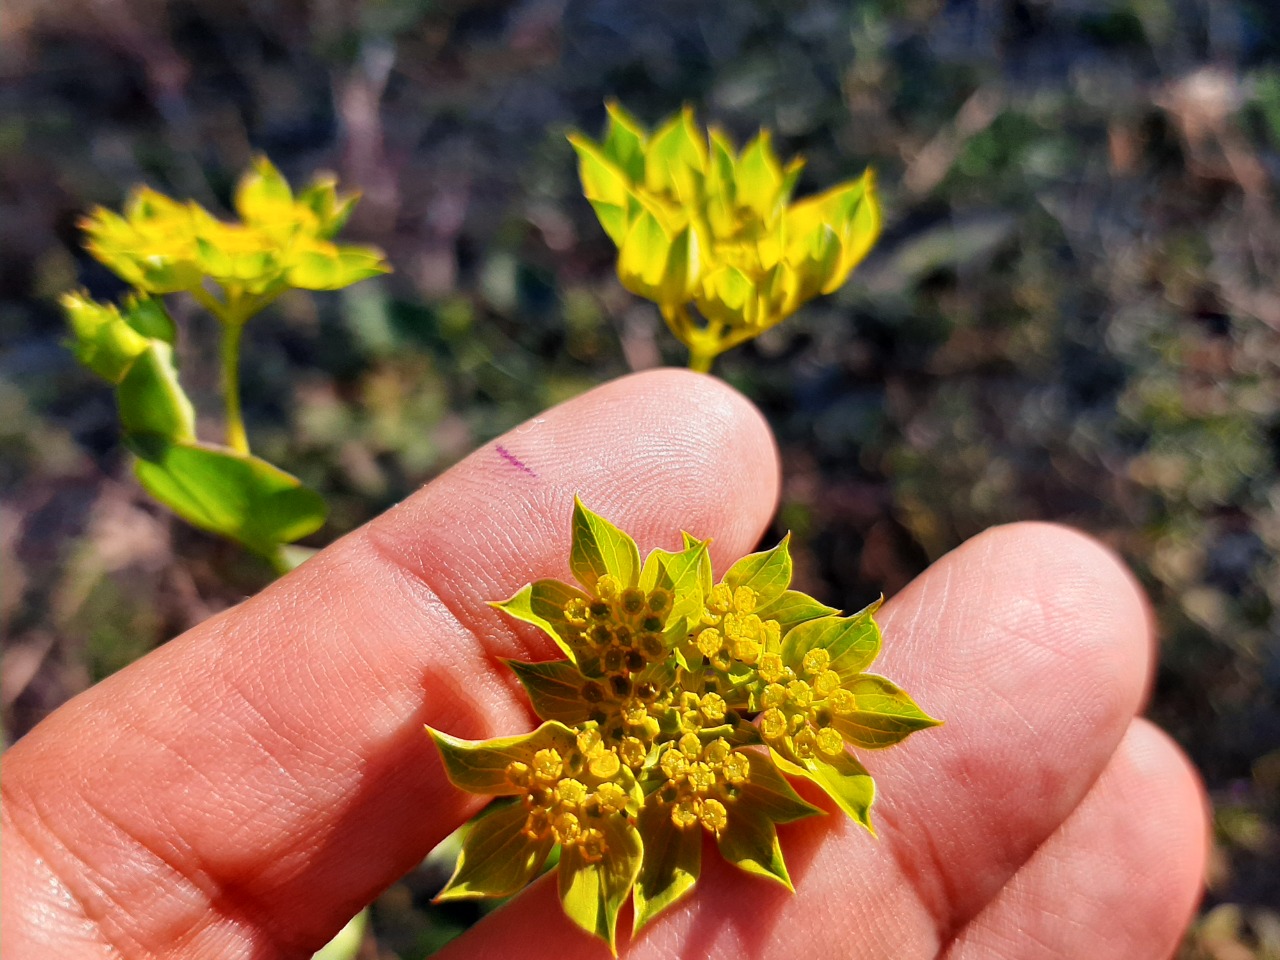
{"x":1033,"y":643}
{"x":243,"y":790}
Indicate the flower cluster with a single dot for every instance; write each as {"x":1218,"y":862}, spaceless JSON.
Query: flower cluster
{"x":698,"y":223}
{"x":162,"y":246}
{"x":678,"y":706}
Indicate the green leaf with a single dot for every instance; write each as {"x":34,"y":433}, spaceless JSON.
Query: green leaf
{"x":148,"y":316}
{"x":793,"y":608}
{"x":497,"y":859}
{"x":103,"y":340}
{"x":593,"y":893}
{"x":600,"y":548}
{"x":262,"y":193}
{"x":316,"y":270}
{"x":758,"y":176}
{"x":672,"y":863}
{"x":480,"y":766}
{"x":229,"y":493}
{"x":852,"y":642}
{"x":843,"y":779}
{"x":886,"y":714}
{"x":554,"y":689}
{"x":151,"y":401}
{"x":541,"y":603}
{"x":705,"y":574}
{"x":347,"y":942}
{"x":768,"y":573}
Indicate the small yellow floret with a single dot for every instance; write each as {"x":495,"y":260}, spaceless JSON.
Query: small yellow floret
{"x":690,"y":745}
{"x":815,"y":661}
{"x":799,"y":693}
{"x":684,"y":814}
{"x":721,"y":599}
{"x":701,"y":777}
{"x":713,"y":816}
{"x":632,"y":752}
{"x":548,"y":765}
{"x":773,"y":724}
{"x":592,"y":846}
{"x":710,"y":642}
{"x":633,"y":600}
{"x":610,"y":797}
{"x":518,"y":774}
{"x":806,"y":741}
{"x":775,"y":695}
{"x":771,"y":668}
{"x":736,"y":769}
{"x":571,"y":793}
{"x":567,"y":827}
{"x":713,"y":707}
{"x":745,"y":599}
{"x":826,"y":682}
{"x":576,"y":612}
{"x":717,"y":752}
{"x":830,"y":742}
{"x":673,"y":763}
{"x":842,"y":701}
{"x":608,"y":587}
{"x":605,"y":765}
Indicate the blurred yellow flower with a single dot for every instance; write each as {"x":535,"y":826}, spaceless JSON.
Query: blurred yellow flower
{"x":697,"y":223}
{"x":160,"y":245}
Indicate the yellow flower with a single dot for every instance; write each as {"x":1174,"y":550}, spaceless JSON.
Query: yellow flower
{"x":161,"y":246}
{"x":699,"y":224}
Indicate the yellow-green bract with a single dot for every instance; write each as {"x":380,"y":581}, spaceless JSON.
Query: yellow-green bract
{"x":699,"y":224}
{"x":679,"y":704}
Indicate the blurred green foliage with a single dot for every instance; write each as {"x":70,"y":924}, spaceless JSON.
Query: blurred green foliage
{"x":1071,"y":314}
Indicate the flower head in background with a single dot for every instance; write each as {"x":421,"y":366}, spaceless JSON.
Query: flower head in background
{"x":700,"y":224}
{"x":159,"y":245}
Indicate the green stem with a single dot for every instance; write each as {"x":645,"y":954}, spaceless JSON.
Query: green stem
{"x":237,"y":439}
{"x":700,"y":359}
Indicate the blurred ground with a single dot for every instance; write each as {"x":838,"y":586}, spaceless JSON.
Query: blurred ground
{"x":1072,"y":314}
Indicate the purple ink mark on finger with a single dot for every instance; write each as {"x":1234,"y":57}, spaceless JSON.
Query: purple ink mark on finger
{"x":512,"y":459}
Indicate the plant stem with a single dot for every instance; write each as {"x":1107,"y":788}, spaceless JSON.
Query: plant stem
{"x":237,"y":439}
{"x":700,"y":360}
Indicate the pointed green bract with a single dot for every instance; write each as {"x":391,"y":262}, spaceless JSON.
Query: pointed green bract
{"x":851,"y":642}
{"x":554,"y":689}
{"x":767,"y":573}
{"x":672,"y":863}
{"x":793,"y":608}
{"x":593,"y":893}
{"x":885,"y":714}
{"x":481,"y":766}
{"x":600,"y":548}
{"x":498,"y":859}
{"x":654,"y":726}
{"x":542,"y":603}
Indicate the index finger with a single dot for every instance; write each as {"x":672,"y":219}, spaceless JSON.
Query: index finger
{"x":246,"y":788}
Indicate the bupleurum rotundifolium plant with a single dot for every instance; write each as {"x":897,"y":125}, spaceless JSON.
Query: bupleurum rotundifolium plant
{"x":160,"y":246}
{"x":702,"y":227}
{"x":680,"y":704}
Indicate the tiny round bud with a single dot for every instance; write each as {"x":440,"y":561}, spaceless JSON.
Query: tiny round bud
{"x":652,"y":624}
{"x":599,"y":610}
{"x":592,"y":846}
{"x":634,"y":660}
{"x":806,"y":742}
{"x":635,"y":711}
{"x":673,"y":764}
{"x":518,"y":774}
{"x":717,"y":752}
{"x":721,"y":599}
{"x":601,"y":635}
{"x":610,"y":797}
{"x":576,"y":611}
{"x":746,"y":650}
{"x":775,"y":695}
{"x":701,"y":777}
{"x":538,"y":824}
{"x":652,"y":647}
{"x":613,"y":660}
{"x":632,"y":752}
{"x":608,"y":587}
{"x":592,"y":692}
{"x":567,"y":827}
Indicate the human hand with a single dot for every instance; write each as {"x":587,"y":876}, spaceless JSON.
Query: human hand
{"x":243,"y":790}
